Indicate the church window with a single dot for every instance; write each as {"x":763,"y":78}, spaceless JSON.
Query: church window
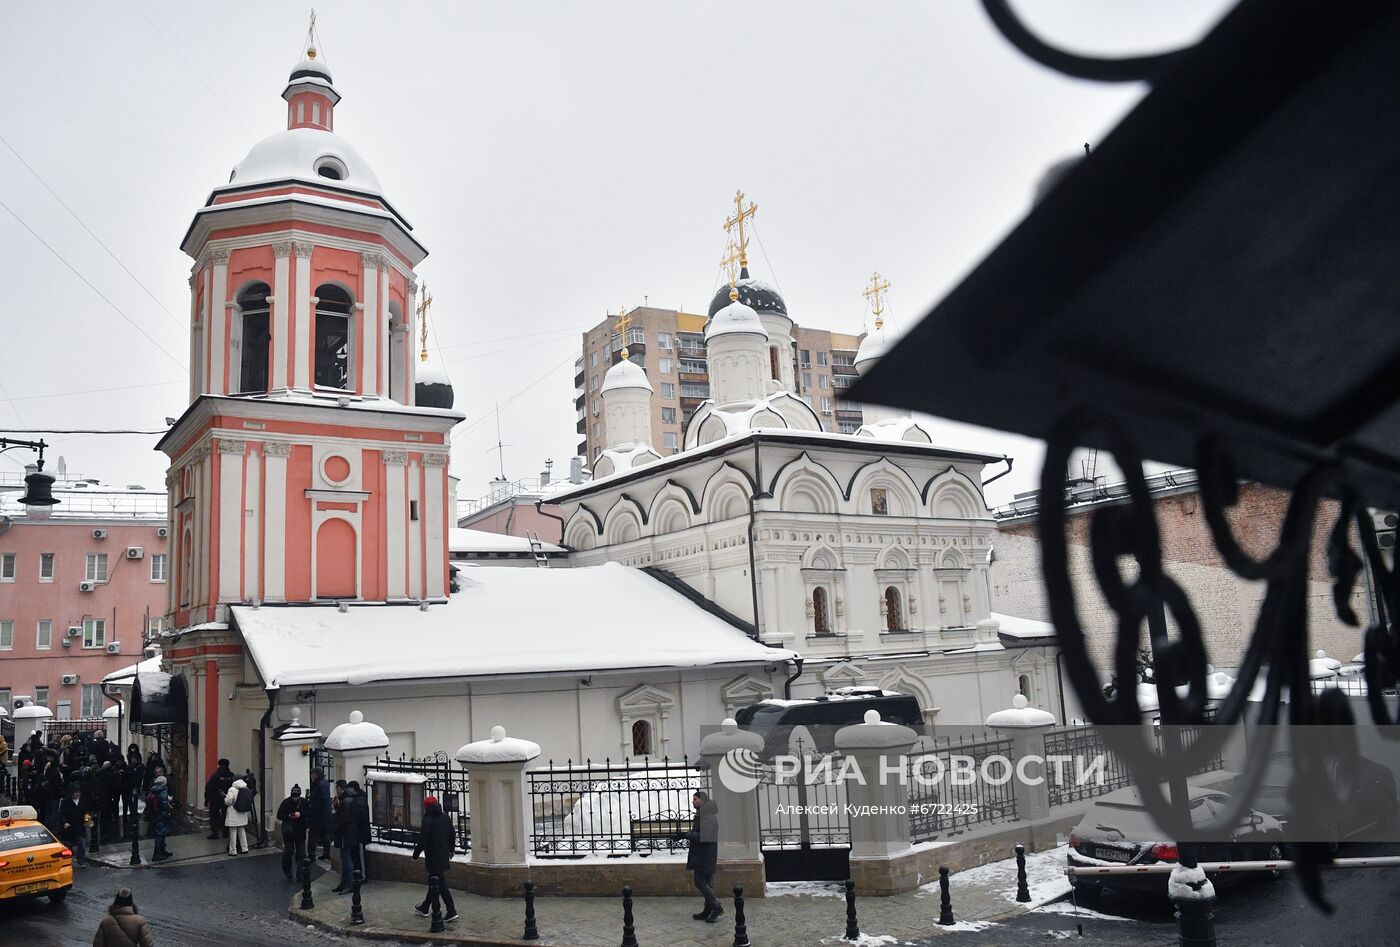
{"x":331,"y":167}
{"x":254,"y":338}
{"x":413,"y":510}
{"x":1023,"y":686}
{"x":315,"y":113}
{"x":894,"y":612}
{"x":821,"y":616}
{"x":773,"y":361}
{"x":301,"y":112}
{"x":641,"y":738}
{"x":332,"y":342}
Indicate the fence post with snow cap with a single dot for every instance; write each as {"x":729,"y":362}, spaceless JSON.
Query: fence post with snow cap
{"x":733,"y":757}
{"x":500,"y":801}
{"x":1026,"y":727}
{"x":353,"y":745}
{"x":879,"y":803}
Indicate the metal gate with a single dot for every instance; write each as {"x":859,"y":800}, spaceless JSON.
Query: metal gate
{"x":320,"y":758}
{"x":804,"y":829}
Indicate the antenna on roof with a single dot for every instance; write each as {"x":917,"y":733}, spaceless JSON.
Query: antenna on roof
{"x":500,"y":448}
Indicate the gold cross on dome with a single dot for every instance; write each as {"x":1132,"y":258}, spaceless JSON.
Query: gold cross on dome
{"x":741,"y":214}
{"x":874,"y":292}
{"x":424,"y":305}
{"x":730,"y":262}
{"x":624,"y":322}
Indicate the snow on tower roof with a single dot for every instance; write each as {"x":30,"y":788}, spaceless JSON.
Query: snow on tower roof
{"x":504,"y":621}
{"x":296,"y":154}
{"x":625,"y":374}
{"x":735,"y":318}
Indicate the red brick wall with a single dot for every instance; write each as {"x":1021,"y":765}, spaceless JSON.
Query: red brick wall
{"x":1226,"y":605}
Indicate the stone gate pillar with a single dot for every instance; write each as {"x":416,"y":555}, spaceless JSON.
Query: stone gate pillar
{"x":501,"y":813}
{"x":354,"y":745}
{"x":1026,"y":727}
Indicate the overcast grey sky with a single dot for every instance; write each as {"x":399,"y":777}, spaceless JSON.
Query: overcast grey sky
{"x":559,"y":160}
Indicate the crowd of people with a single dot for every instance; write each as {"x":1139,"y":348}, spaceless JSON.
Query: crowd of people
{"x":84,"y":787}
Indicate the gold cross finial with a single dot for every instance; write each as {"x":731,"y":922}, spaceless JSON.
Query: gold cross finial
{"x":730,"y":262}
{"x":310,"y":36}
{"x":624,"y":322}
{"x":424,"y":304}
{"x":741,"y":214}
{"x":875,"y":293}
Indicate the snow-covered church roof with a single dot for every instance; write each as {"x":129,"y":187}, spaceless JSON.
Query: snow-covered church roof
{"x":297,"y":154}
{"x":616,"y":459}
{"x":503,"y":621}
{"x":625,"y":374}
{"x":781,"y":410}
{"x":735,"y":318}
{"x":902,"y":428}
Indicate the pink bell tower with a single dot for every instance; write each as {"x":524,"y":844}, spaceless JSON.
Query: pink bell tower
{"x":303,"y":470}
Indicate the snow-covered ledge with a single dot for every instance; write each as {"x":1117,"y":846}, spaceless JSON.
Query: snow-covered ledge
{"x":880,"y":824}
{"x":733,"y":757}
{"x":355,"y":744}
{"x":1026,"y":726}
{"x":501,"y":816}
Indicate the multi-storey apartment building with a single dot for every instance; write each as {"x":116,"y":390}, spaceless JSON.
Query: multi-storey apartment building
{"x":82,"y":584}
{"x":670,"y":346}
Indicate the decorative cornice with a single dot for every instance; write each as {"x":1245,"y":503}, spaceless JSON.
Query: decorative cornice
{"x":276,"y":449}
{"x":302,"y":249}
{"x":434,"y":460}
{"x":412,"y":283}
{"x":396,"y":457}
{"x":374,"y":259}
{"x":230,"y":446}
{"x":199,"y":452}
{"x":219,"y":257}
{"x":282,"y":249}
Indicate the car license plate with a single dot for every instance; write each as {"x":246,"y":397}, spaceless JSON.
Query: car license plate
{"x":32,"y":887}
{"x":1112,"y":855}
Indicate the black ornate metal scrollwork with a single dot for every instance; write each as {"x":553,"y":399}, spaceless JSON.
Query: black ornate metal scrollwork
{"x":1278,"y":647}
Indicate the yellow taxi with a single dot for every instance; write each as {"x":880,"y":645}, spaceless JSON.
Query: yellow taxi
{"x":32,"y":862}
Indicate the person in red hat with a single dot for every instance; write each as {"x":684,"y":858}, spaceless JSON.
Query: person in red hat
{"x":437,"y":841}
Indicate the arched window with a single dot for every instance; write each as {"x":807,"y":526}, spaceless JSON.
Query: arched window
{"x":773,"y":360}
{"x":821,"y":616}
{"x":641,"y":738}
{"x":1023,"y":686}
{"x":894,"y":613}
{"x":254,"y":338}
{"x":332,"y":343}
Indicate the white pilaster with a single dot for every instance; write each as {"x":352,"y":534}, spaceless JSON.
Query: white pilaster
{"x":396,"y":520}
{"x":368,"y":381}
{"x":252,"y":525}
{"x":218,"y":324}
{"x":415,"y":532}
{"x":274,"y":520}
{"x":230,"y":518}
{"x":434,"y":517}
{"x":281,"y":317}
{"x":301,"y":330}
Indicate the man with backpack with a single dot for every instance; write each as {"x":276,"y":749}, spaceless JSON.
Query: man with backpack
{"x":215,"y":791}
{"x":238,"y":805}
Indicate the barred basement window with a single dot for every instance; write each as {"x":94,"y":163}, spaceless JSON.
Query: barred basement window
{"x":641,"y":738}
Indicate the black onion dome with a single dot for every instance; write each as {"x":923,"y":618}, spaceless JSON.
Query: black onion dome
{"x":428,"y":394}
{"x":757,"y":295}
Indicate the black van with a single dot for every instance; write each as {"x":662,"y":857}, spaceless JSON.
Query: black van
{"x":823,"y":716}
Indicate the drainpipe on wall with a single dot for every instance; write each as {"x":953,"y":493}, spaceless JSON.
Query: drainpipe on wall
{"x":787,"y":685}
{"x":539,"y":508}
{"x":262,"y":764}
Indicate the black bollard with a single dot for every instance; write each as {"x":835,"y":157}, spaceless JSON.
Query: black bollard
{"x":531,"y":931}
{"x":741,"y":928}
{"x":306,"y":902}
{"x":852,"y":925}
{"x":1023,"y":893}
{"x":629,"y":932}
{"x":357,"y":913}
{"x":135,"y":844}
{"x":945,"y":903}
{"x":434,"y":895}
{"x":1195,"y":920}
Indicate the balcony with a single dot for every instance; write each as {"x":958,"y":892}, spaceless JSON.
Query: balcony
{"x":582,"y":426}
{"x":695,"y":378}
{"x":839,"y":369}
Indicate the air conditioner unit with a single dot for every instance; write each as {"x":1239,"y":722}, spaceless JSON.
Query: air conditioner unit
{"x":114,"y":647}
{"x":21,"y":701}
{"x":162,"y":532}
{"x":86,"y":586}
{"x":99,"y":534}
{"x":70,"y":679}
{"x":134,"y":552}
{"x":75,"y":630}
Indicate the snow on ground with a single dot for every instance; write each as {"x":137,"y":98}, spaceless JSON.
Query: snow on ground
{"x":1045,"y":877}
{"x":815,"y":889}
{"x":867,"y":940}
{"x":1082,"y":913}
{"x":969,"y":926}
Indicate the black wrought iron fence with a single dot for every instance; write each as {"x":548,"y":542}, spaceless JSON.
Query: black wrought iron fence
{"x":945,"y":801}
{"x":397,"y":788}
{"x":1082,"y":746}
{"x":55,"y":730}
{"x":632,"y":806}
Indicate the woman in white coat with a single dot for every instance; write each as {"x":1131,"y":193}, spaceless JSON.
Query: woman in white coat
{"x":237,"y":817}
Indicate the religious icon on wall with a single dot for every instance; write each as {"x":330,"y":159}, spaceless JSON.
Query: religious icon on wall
{"x":879,"y":502}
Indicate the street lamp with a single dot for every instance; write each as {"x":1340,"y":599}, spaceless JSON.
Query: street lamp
{"x":38,"y":485}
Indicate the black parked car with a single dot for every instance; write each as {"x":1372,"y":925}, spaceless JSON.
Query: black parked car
{"x":1365,"y":787}
{"x":822,"y":716}
{"x":1117,"y":830}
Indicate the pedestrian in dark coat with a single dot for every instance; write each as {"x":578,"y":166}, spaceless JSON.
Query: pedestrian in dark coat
{"x":72,"y":823}
{"x":293,"y":816}
{"x":123,"y":926}
{"x":153,"y":762}
{"x":215,"y":793}
{"x":437,"y":841}
{"x":354,"y":834}
{"x":319,"y":815}
{"x":50,"y":791}
{"x":704,"y":854}
{"x":135,"y":782}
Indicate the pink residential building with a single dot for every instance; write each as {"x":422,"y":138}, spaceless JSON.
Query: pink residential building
{"x":82,"y":584}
